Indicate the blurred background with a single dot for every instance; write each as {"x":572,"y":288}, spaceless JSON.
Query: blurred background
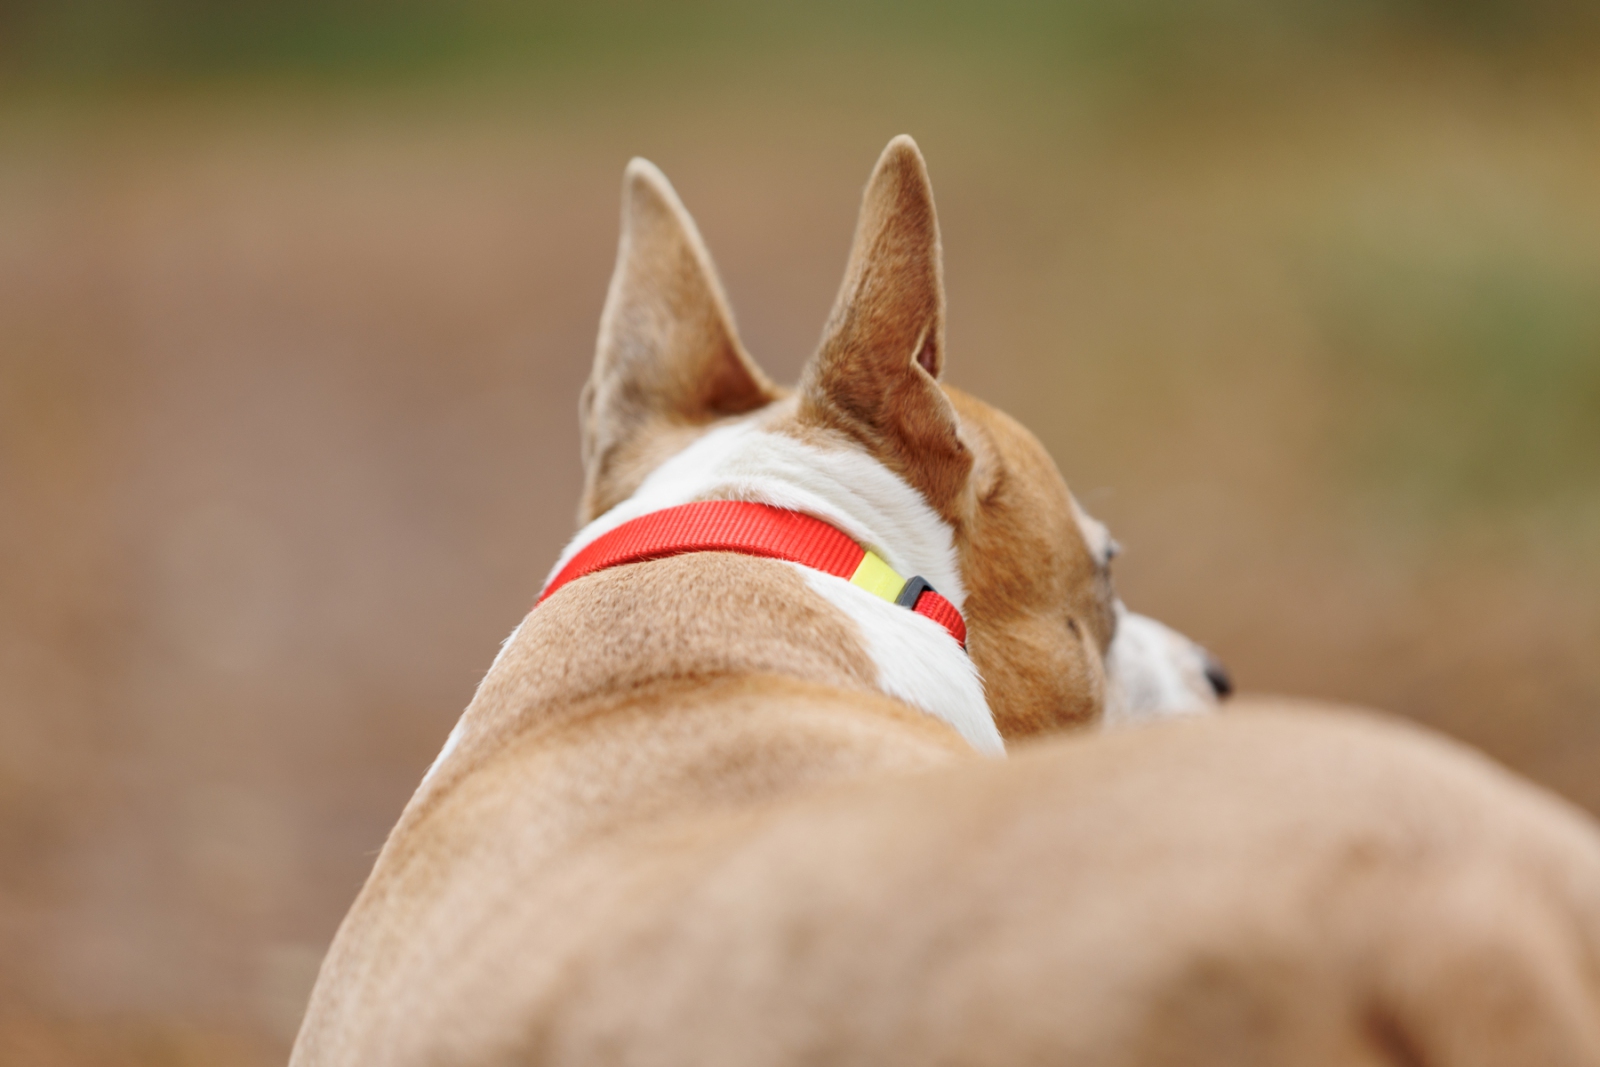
{"x":296,"y":298}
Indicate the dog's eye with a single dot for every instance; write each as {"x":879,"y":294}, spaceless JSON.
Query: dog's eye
{"x":1113,"y":550}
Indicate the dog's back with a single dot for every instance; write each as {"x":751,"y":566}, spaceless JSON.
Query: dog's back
{"x":731,"y":808}
{"x":752,"y":871}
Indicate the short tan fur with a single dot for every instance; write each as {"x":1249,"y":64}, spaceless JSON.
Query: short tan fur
{"x":682,"y":823}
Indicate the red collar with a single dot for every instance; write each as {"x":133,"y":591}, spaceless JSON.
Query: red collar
{"x":757,"y":530}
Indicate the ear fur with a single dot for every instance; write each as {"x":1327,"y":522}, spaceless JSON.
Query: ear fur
{"x":876,"y":373}
{"x":668,"y":357}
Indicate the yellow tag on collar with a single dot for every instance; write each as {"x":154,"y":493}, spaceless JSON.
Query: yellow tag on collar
{"x":878,"y":578}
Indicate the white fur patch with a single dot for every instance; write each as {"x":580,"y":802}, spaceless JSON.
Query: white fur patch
{"x":843,"y":487}
{"x":454,"y":739}
{"x":1154,"y":673}
{"x":917,"y":659}
{"x":450,"y":744}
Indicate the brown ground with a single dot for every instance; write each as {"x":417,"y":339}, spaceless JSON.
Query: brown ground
{"x":287,"y":443}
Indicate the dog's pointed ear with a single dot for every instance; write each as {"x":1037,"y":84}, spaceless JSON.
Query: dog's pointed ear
{"x":875,"y":376}
{"x":668,"y":358}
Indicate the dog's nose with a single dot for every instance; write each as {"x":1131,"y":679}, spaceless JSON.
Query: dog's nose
{"x":1217,"y":675}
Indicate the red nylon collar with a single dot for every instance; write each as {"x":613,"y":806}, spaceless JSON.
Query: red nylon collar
{"x":751,"y":530}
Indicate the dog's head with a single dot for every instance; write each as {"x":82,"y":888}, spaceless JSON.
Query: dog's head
{"x":1029,"y":568}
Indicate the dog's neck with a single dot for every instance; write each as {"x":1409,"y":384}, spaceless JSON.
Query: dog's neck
{"x":917,"y":661}
{"x":842,"y":486}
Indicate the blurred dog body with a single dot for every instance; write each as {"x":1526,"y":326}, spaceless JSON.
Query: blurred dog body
{"x":715,"y":808}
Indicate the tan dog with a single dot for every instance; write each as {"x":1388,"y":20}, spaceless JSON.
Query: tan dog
{"x":721,"y":808}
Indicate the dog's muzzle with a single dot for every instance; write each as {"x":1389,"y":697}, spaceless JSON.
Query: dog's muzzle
{"x":1154,"y":672}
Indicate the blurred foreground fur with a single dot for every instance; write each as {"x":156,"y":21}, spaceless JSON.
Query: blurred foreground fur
{"x":693,"y":814}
